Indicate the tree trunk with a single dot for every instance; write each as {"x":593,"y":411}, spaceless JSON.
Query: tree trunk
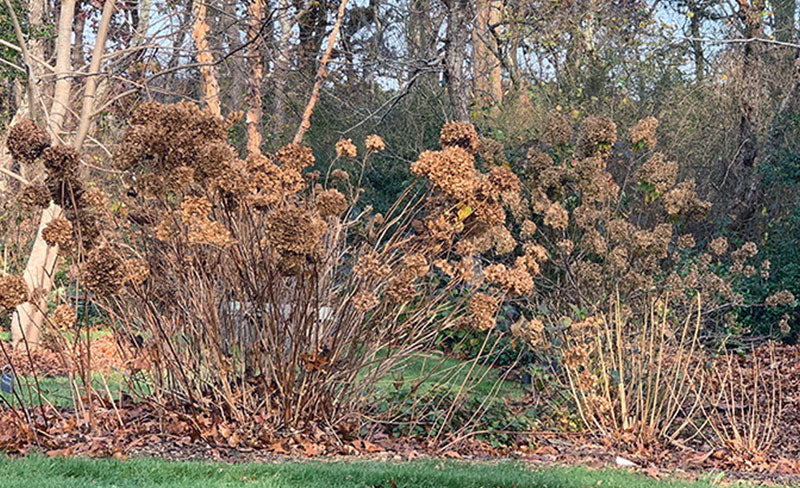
{"x":205,"y":58}
{"x":254,"y":115}
{"x":784,"y":19}
{"x":281,"y":71}
{"x":458,"y":15}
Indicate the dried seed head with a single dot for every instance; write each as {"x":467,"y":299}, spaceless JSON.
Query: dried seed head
{"x":452,"y":170}
{"x":61,"y":161}
{"x":13,"y":292}
{"x":780,"y":299}
{"x":557,"y":128}
{"x":459,"y":134}
{"x":658,"y":173}
{"x":331,"y":203}
{"x":483,"y":309}
{"x":645,"y":131}
{"x":719,"y":246}
{"x":26,"y":141}
{"x":104,"y":271}
{"x":597,"y":136}
{"x":35,"y":196}
{"x":136,"y":271}
{"x":375,"y":143}
{"x":340,"y":174}
{"x":346,"y":149}
{"x":296,"y":156}
{"x":57,"y":231}
{"x":365,"y":301}
{"x":295,"y":230}
{"x":64,"y":316}
{"x":556,"y":216}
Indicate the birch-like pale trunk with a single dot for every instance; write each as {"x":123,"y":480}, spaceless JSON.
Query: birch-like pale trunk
{"x":39,"y":271}
{"x":254,"y":61}
{"x":205,"y":57}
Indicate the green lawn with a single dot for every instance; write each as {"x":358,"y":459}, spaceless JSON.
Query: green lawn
{"x":43,"y":472}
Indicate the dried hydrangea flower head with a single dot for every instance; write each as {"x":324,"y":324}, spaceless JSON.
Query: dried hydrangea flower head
{"x":483,"y":308}
{"x":658,"y":173}
{"x":64,"y":316}
{"x":104,"y":272}
{"x":459,"y":134}
{"x":452,"y":170}
{"x":683,"y":201}
{"x":340,"y":174}
{"x":34,"y":196}
{"x":645,"y":131}
{"x":13,"y":292}
{"x":374,"y":143}
{"x":26,"y":141}
{"x":719,"y":246}
{"x":57,"y":231}
{"x":136,"y":271}
{"x":346,"y":149}
{"x":556,"y":216}
{"x":295,"y":156}
{"x":61,"y":161}
{"x":330,"y":203}
{"x":295,"y":230}
{"x":780,"y":299}
{"x":598,"y":134}
{"x":558,"y":129}
{"x":365,"y":301}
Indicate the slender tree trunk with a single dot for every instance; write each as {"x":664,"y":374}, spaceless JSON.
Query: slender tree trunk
{"x":281,"y":70}
{"x":697,"y":46}
{"x":205,"y":58}
{"x":254,"y":61}
{"x":457,"y":38}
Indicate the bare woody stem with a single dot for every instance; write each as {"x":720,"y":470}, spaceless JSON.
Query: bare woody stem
{"x":322,"y":73}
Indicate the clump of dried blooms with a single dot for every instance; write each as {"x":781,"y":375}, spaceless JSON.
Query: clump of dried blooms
{"x":13,"y":292}
{"x":598,"y":134}
{"x":504,"y":180}
{"x":330,"y":203}
{"x":515,"y":281}
{"x":35,"y":196}
{"x":683,"y":201}
{"x":719,"y":246}
{"x":459,"y":134}
{"x":374,"y":143}
{"x":365,"y":301}
{"x":575,"y":357}
{"x":530,"y":331}
{"x":556,"y":216}
{"x":369,"y":266}
{"x":527,"y":229}
{"x":686,"y":241}
{"x":104,"y":272}
{"x":483,"y":308}
{"x":57,"y":231}
{"x":136,"y":271}
{"x":645,"y":131}
{"x":452,"y":170}
{"x":340,"y":174}
{"x":26,"y":141}
{"x":658,"y":173}
{"x":295,"y":230}
{"x":780,"y":299}
{"x":64,"y":316}
{"x":296,"y":156}
{"x":557,"y":128}
{"x":491,"y":151}
{"x":61,"y":161}
{"x":346,"y":149}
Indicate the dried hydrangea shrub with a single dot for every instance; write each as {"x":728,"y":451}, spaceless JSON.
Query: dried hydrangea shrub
{"x":26,"y":141}
{"x":13,"y":292}
{"x":459,"y":134}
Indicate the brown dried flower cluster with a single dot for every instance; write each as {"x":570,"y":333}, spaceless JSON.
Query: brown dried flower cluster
{"x":57,"y":231}
{"x":104,"y":272}
{"x":556,"y":216}
{"x":296,"y":156}
{"x":483,"y":308}
{"x":719,"y":246}
{"x":645,"y":131}
{"x":659,"y":173}
{"x":597,"y":135}
{"x":531,"y":331}
{"x":558,"y":129}
{"x":26,"y":141}
{"x":364,"y":301}
{"x":370,"y":266}
{"x":346,"y":149}
{"x":136,"y":271}
{"x":64,"y":316}
{"x":35,"y":196}
{"x":340,"y":174}
{"x":13,"y":292}
{"x":460,"y":134}
{"x":331,"y":203}
{"x":374,"y":143}
{"x":452,"y":170}
{"x":683,"y":201}
{"x":514,"y":281}
{"x":295,"y":232}
{"x":780,"y":299}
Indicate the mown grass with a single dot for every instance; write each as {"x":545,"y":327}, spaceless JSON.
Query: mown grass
{"x":44,"y":472}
